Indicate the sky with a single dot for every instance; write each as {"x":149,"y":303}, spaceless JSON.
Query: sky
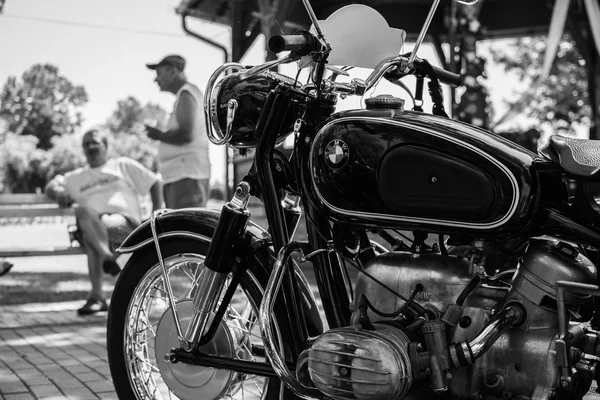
{"x":104,"y":46}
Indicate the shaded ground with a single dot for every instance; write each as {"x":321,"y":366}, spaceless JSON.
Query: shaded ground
{"x":44,"y":287}
{"x":48,"y":352}
{"x":48,"y":279}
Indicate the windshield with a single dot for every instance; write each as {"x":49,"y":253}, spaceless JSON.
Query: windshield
{"x":359,"y":37}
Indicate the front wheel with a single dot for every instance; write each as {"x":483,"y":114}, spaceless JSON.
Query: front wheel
{"x":141,"y":331}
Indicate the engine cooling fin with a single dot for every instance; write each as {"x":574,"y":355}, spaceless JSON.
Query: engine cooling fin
{"x":354,"y":364}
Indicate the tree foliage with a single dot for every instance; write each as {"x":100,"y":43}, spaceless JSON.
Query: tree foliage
{"x":127,"y":127}
{"x":25,"y":168}
{"x":560,"y":99}
{"x":43,"y":104}
{"x":130,"y":114}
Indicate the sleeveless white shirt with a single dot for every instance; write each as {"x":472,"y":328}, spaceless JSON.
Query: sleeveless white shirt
{"x":189,"y":160}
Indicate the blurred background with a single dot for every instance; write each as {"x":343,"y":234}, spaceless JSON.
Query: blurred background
{"x":70,"y":65}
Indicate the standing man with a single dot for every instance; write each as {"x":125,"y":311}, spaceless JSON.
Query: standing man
{"x":183,"y":149}
{"x":107,"y":194}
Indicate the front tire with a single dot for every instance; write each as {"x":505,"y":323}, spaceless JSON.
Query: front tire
{"x":141,"y":331}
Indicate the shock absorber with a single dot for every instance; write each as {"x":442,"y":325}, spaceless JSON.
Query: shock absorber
{"x":218,"y":263}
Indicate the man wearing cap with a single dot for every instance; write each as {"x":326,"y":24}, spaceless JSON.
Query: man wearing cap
{"x":183,"y":149}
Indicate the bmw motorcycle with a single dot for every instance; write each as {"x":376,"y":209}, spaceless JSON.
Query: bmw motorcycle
{"x":491,"y":295}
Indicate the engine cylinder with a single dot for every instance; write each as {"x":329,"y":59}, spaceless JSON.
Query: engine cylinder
{"x":351,"y":363}
{"x":544,"y":263}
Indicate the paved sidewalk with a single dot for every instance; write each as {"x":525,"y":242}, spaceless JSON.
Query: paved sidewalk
{"x":49,"y":352}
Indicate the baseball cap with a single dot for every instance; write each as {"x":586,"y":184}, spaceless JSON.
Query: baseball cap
{"x":174,"y":60}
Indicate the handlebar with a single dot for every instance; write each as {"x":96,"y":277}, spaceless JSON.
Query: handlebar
{"x":303,"y":43}
{"x":306,"y":43}
{"x":447,"y":77}
{"x":421,"y":67}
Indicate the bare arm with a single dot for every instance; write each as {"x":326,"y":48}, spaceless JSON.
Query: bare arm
{"x":186,"y":115}
{"x":55,"y":189}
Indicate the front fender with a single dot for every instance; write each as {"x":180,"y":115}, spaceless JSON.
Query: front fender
{"x":198,"y":223}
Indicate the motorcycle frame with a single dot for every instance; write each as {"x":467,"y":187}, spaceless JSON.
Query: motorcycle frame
{"x":327,"y":266}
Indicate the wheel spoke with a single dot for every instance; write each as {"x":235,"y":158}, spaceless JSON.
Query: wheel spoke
{"x":149,"y":304}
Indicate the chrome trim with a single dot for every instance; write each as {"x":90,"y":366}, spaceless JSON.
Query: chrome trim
{"x":165,"y":273}
{"x":210,"y":108}
{"x":265,"y":314}
{"x":291,"y":57}
{"x":313,"y":18}
{"x":467,"y":353}
{"x":379,"y":70}
{"x":454,"y":356}
{"x":140,"y":295}
{"x":424,"y":29}
{"x":279,"y":339}
{"x":290,"y":201}
{"x":509,"y":316}
{"x":232,"y":106}
{"x":426,"y":221}
{"x":241,"y":197}
{"x":210,"y":286}
{"x":185,"y":234}
{"x":211,"y":282}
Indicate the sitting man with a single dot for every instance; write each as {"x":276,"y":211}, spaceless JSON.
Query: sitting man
{"x":107,"y":210}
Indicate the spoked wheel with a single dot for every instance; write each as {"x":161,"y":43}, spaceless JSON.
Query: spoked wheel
{"x":142,"y":331}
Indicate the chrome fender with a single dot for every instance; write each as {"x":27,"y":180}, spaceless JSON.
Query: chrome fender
{"x":200,"y":224}
{"x":194,"y":223}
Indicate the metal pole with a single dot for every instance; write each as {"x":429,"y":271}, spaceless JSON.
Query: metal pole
{"x":424,"y":29}
{"x":226,"y":56}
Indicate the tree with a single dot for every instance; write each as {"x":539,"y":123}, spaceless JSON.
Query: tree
{"x":42,"y":104}
{"x":1,"y":6}
{"x":130,"y":115}
{"x":127,"y":127}
{"x":562,"y":99}
{"x":24,"y":168}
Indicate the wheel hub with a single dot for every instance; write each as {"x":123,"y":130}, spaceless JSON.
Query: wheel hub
{"x":185,"y":380}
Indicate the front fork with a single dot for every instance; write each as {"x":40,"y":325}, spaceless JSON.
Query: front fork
{"x":217,"y":264}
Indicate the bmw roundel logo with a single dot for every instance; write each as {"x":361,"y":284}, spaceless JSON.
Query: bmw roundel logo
{"x":336,"y":154}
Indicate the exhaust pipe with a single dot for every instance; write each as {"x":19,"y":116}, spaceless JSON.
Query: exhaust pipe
{"x":465,"y":353}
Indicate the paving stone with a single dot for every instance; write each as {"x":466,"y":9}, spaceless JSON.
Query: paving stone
{"x":78,"y":368}
{"x":46,"y":391}
{"x":71,"y":383}
{"x":19,"y":396}
{"x":12,"y":385}
{"x":47,"y":352}
{"x":101,"y":386}
{"x":89,"y":377}
{"x":79,"y":394}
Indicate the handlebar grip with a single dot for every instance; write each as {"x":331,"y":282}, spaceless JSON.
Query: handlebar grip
{"x":447,"y":77}
{"x":302,"y":43}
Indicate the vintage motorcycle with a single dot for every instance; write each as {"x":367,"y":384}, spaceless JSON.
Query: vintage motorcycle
{"x":491,"y":296}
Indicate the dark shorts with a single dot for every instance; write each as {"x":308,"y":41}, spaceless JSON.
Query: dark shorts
{"x":186,"y":192}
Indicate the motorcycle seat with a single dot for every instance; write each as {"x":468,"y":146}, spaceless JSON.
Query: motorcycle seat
{"x":577,"y":156}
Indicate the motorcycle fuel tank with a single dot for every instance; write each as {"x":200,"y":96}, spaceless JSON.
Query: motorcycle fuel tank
{"x":406,"y":170}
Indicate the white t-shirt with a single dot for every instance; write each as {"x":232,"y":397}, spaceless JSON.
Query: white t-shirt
{"x":189,"y":160}
{"x":114,"y":187}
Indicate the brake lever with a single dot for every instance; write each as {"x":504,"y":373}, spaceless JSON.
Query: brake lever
{"x":291,"y":57}
{"x":337,"y":72}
